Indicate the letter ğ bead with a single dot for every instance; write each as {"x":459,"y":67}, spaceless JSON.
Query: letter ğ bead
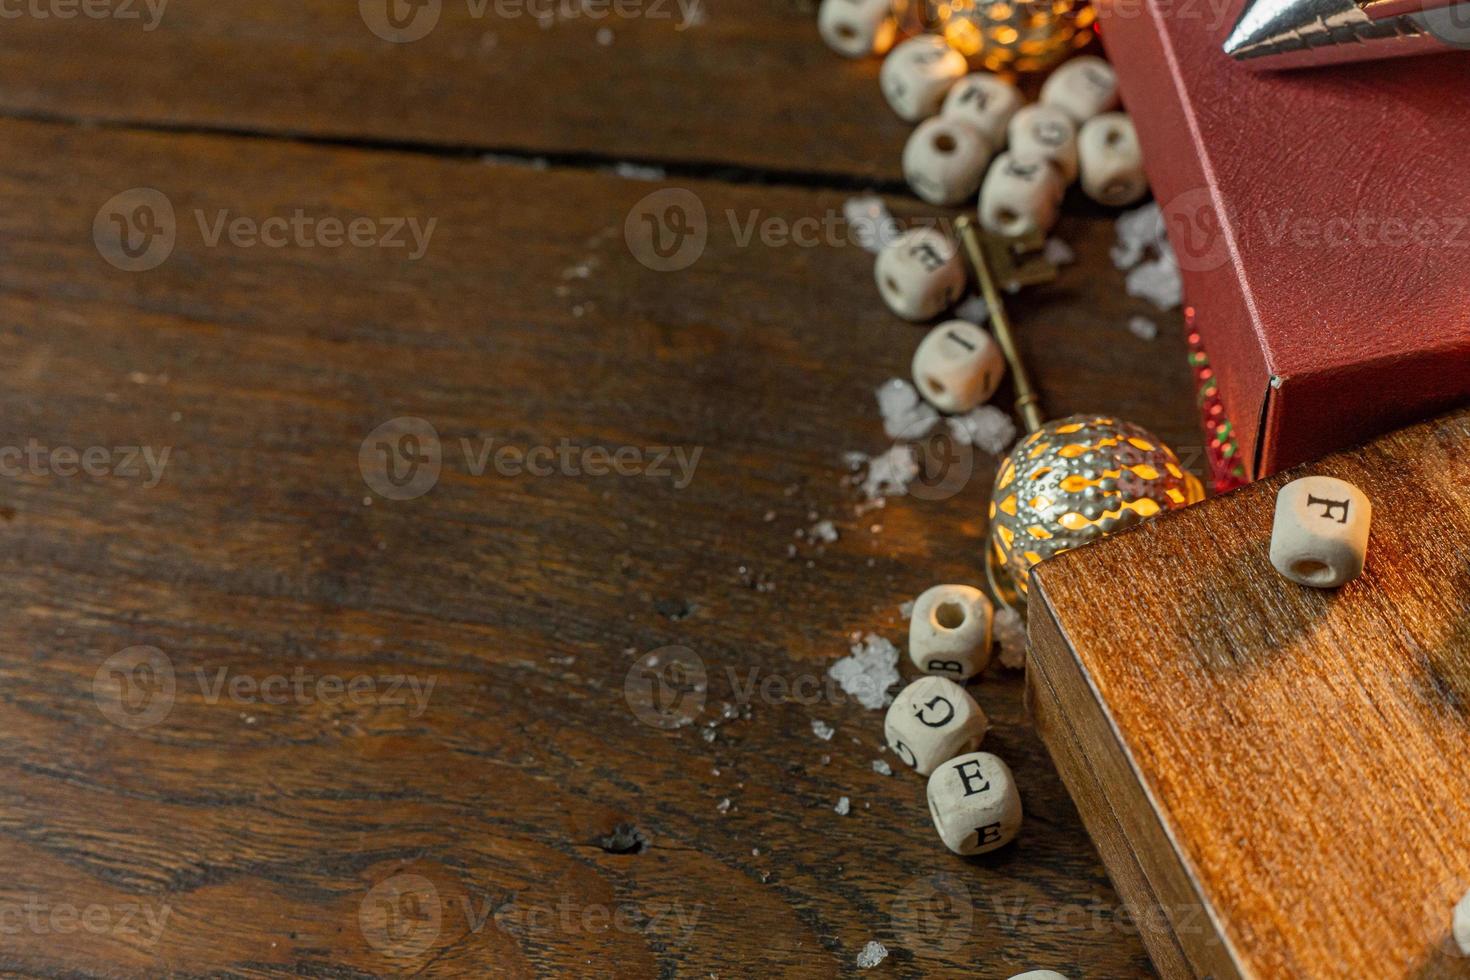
{"x":932,"y":721}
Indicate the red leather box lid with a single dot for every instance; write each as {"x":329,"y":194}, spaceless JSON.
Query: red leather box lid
{"x":1322,"y":220}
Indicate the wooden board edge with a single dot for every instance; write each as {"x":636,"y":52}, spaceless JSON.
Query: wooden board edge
{"x":1102,"y":826}
{"x":1088,"y":751}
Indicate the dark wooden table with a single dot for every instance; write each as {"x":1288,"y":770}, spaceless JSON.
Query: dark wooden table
{"x":209,"y":767}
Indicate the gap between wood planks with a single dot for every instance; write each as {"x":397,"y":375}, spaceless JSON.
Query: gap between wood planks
{"x":693,"y":170}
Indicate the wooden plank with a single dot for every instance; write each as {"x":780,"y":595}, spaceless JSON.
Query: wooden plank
{"x":1292,"y":756}
{"x":260,"y":830}
{"x":735,"y":82}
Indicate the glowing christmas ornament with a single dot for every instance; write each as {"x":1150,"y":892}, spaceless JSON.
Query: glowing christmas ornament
{"x":1015,"y":35}
{"x":1070,"y":481}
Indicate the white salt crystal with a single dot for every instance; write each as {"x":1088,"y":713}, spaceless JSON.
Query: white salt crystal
{"x":1158,"y":281}
{"x":638,"y":171}
{"x":890,"y":473}
{"x":1010,"y":634}
{"x":1138,"y":232}
{"x":854,"y":460}
{"x":882,"y":768}
{"x":1143,"y":328}
{"x":1058,"y":252}
{"x":872,"y":225}
{"x":868,"y":672}
{"x":822,"y":730}
{"x":974,"y":309}
{"x":872,"y":954}
{"x":906,"y":609}
{"x":824,"y":531}
{"x":724,"y":805}
{"x":843,"y":807}
{"x":604,"y":36}
{"x":905,"y":414}
{"x":986,"y":428}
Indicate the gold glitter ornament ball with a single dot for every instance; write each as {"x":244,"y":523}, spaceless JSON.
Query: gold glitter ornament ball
{"x":1013,"y":35}
{"x":1076,"y":480}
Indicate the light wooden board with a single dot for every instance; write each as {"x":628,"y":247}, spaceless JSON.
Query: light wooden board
{"x":1286,"y":765}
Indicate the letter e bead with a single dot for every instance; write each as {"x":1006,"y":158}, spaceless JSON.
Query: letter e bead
{"x":857,"y":28}
{"x":932,"y":721}
{"x":916,"y":75}
{"x":974,"y":803}
{"x":919,"y":274}
{"x":1320,"y":537}
{"x":949,"y":631}
{"x":1111,"y":161}
{"x":958,"y":366}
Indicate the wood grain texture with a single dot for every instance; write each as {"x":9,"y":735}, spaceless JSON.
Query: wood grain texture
{"x":258,"y":832}
{"x":1291,"y":758}
{"x":749,"y":85}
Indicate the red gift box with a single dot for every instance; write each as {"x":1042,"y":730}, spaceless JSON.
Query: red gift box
{"x":1321,"y":219}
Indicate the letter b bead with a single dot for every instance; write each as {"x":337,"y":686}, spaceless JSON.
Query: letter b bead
{"x":974,"y":803}
{"x":1320,"y":537}
{"x":950,"y":631}
{"x":932,"y":721}
{"x":919,"y":274}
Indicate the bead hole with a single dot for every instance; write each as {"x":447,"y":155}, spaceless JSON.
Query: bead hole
{"x":890,"y":284}
{"x":934,"y":385}
{"x":950,"y":615}
{"x":1114,"y":137}
{"x":1311,"y":570}
{"x":846,"y":31}
{"x":1006,"y":216}
{"x":944,"y":143}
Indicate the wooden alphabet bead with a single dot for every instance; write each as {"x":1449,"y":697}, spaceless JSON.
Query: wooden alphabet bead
{"x":919,"y":274}
{"x":1046,"y":132}
{"x":932,"y":721}
{"x":987,"y":102}
{"x":1111,"y":160}
{"x":1020,"y":196}
{"x":945,"y":160}
{"x":1461,"y":925}
{"x":974,"y":803}
{"x":1320,"y":537}
{"x":916,"y":75}
{"x":857,"y":28}
{"x":957,"y":366}
{"x":949,"y":631}
{"x":1082,"y":88}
